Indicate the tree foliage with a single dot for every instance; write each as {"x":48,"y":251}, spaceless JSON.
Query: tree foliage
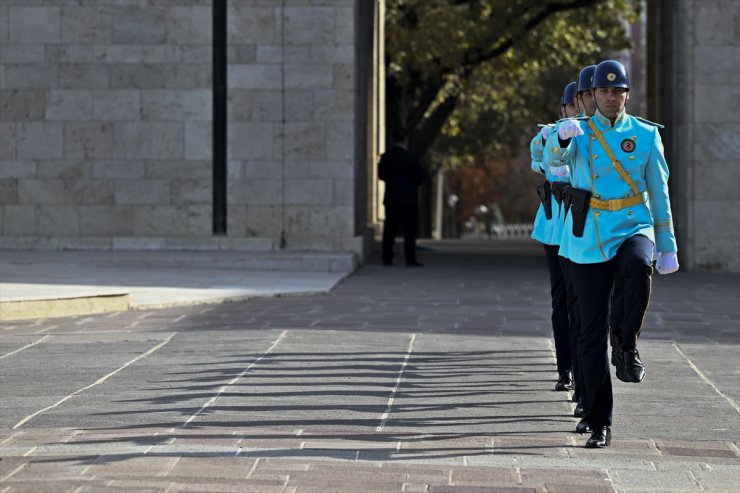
{"x":467,"y":76}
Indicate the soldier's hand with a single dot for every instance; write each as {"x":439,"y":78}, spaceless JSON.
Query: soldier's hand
{"x":545,"y":132}
{"x":667,"y":263}
{"x":569,"y":129}
{"x":560,"y":171}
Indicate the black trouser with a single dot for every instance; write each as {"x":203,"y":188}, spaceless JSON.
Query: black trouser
{"x":621,"y":338}
{"x":396,"y":216}
{"x":616,"y":313}
{"x":560,"y":323}
{"x":593,"y":286}
{"x":574,"y":323}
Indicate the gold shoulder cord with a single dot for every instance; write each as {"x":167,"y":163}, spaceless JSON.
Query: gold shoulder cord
{"x":617,"y":165}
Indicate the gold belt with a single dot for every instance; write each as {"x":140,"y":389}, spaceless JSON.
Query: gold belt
{"x":615,"y":204}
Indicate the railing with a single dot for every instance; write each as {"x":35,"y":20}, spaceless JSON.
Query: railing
{"x":512,"y":231}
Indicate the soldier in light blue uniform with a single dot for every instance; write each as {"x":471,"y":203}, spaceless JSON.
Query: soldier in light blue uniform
{"x":620,"y":212}
{"x":548,"y":225}
{"x":548,"y":221}
{"x":587,"y":107}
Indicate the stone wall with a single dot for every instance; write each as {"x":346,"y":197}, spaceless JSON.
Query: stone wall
{"x":106,"y":124}
{"x":697,"y":92}
{"x":715,"y":132}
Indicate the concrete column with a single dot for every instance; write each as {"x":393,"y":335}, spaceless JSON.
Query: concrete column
{"x":694,"y":75}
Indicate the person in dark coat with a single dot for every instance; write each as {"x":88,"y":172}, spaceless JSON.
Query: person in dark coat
{"x":402,"y":173}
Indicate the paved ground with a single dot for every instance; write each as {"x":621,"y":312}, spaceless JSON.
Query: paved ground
{"x":156,"y":279}
{"x":436,"y":379}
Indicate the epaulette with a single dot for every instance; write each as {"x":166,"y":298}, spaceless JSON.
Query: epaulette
{"x":649,"y":122}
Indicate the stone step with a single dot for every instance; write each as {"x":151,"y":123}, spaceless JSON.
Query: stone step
{"x":55,"y":305}
{"x":278,"y":261}
{"x":47,"y":284}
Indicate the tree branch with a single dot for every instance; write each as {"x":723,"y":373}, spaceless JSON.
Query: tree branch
{"x":427,"y":97}
{"x":425,"y":130}
{"x":424,"y":136}
{"x":480,"y":56}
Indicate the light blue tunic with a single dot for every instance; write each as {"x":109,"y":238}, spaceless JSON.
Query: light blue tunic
{"x":547,"y":231}
{"x":637,"y":146}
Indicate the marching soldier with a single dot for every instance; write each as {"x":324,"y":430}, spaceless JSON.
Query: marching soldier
{"x":584,"y":94}
{"x":587,"y":107}
{"x":620,"y":212}
{"x":547,"y":230}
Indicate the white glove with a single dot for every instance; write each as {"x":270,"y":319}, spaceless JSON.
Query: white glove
{"x":667,"y":263}
{"x":569,"y":129}
{"x":560,"y":171}
{"x":545,"y":132}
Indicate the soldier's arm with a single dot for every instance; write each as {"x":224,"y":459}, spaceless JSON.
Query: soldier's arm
{"x":536,"y":149}
{"x":656,"y":177}
{"x":558,"y":152}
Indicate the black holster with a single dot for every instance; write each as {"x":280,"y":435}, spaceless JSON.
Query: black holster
{"x":558,"y":189}
{"x":560,"y":192}
{"x":544,"y":193}
{"x":578,"y":200}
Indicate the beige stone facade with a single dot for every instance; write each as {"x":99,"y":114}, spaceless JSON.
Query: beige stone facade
{"x":106,"y":124}
{"x":695,"y":89}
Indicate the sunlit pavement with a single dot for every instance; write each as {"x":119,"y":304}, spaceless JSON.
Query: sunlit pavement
{"x":432,"y":379}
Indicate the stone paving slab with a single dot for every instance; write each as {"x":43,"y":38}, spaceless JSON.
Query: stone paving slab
{"x":163,"y":468}
{"x":436,"y":379}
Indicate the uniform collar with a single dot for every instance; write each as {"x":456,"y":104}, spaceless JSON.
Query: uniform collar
{"x":606,"y":123}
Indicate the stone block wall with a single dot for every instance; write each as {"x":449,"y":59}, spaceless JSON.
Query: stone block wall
{"x":706,"y":132}
{"x":106,"y":106}
{"x":716,"y":135}
{"x":106,"y":124}
{"x":294,"y":64}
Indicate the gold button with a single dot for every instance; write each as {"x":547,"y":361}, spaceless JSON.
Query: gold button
{"x":597,"y":213}
{"x":632,"y":158}
{"x":554,"y":149}
{"x":634,"y":138}
{"x":597,"y":196}
{"x":596,"y":177}
{"x":629,"y":212}
{"x":593,"y":137}
{"x":595,"y":156}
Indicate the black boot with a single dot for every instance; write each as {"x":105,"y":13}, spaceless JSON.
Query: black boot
{"x":601,"y":437}
{"x":584,"y":426}
{"x":579,"y":412}
{"x":631,"y":369}
{"x":633,"y":366}
{"x":565,"y":382}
